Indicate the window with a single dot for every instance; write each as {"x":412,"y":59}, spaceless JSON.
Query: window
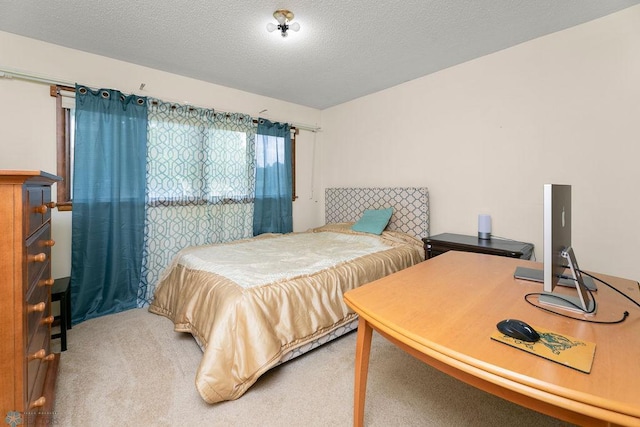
{"x":294,"y":133}
{"x":65,"y":103}
{"x":183,"y":167}
{"x":228,"y":185}
{"x":196,"y":156}
{"x":275,"y":155}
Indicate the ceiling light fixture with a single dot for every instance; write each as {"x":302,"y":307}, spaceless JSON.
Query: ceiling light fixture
{"x":284,"y":17}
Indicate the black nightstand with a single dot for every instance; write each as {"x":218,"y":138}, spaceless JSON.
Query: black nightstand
{"x":441,"y":243}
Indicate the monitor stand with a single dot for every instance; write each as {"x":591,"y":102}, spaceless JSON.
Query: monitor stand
{"x":536,"y":275}
{"x":583,"y":303}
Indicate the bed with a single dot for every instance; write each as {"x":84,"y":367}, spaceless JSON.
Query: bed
{"x":255,"y":303}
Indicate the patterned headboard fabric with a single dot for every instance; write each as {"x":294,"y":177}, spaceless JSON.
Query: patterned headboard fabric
{"x":410,"y":206}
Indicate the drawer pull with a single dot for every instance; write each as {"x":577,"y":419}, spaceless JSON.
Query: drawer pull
{"x":52,"y":204}
{"x":39,"y":403}
{"x":48,"y":243}
{"x":42,"y":209}
{"x":47,"y":320}
{"x":46,"y":282}
{"x":49,"y":357}
{"x":40,"y":354}
{"x":41,"y":257}
{"x":36,"y":307}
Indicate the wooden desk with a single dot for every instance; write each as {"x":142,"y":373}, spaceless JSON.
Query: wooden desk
{"x":443,"y":311}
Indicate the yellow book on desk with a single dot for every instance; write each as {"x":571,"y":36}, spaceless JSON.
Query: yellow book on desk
{"x":562,"y":349}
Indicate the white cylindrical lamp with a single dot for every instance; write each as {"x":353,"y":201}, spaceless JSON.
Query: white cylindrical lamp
{"x":484,"y":227}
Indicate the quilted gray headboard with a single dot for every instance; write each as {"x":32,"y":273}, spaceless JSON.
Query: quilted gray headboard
{"x":410,"y":206}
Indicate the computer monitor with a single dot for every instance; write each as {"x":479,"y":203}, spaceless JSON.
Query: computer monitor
{"x":558,"y":255}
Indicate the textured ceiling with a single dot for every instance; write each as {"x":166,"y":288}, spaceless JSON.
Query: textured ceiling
{"x":345,"y":48}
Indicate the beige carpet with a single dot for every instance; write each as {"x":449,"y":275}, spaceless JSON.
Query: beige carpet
{"x":133,"y":369}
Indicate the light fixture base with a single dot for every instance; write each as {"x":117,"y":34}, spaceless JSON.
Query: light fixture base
{"x":286,"y":14}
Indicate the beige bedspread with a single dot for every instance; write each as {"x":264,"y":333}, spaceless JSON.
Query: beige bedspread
{"x":250,"y":302}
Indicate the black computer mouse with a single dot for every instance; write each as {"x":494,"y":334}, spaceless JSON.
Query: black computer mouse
{"x":518,"y":329}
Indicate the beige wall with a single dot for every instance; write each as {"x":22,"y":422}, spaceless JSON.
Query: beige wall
{"x":486,"y":135}
{"x":27,"y":116}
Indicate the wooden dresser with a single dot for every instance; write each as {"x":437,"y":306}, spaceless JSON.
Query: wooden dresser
{"x":28,"y":368}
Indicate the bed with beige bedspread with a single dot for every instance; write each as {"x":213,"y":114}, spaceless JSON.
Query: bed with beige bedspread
{"x":247,"y":313}
{"x":255,"y":303}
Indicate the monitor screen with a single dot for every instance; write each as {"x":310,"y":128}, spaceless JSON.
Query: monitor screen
{"x":559,"y":261}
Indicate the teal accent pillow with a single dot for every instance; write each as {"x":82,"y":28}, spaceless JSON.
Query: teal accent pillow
{"x":373,"y":221}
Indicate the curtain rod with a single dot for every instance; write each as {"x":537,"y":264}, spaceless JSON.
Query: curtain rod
{"x":13,"y":74}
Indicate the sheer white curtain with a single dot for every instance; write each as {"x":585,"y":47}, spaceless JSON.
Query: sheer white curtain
{"x":200,"y":183}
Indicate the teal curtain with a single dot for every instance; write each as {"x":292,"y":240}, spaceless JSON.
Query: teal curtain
{"x":200,"y":183}
{"x":108,"y":202}
{"x":273,"y":205}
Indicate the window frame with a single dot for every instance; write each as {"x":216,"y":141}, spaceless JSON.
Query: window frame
{"x":63,"y":148}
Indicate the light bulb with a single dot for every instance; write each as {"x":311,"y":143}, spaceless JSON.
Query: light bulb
{"x":280,"y":18}
{"x":294,"y":27}
{"x":271,"y":27}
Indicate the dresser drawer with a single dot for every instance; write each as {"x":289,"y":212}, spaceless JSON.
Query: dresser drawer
{"x":38,"y":255}
{"x":38,"y":357}
{"x":38,"y":310}
{"x":39,"y":205}
{"x":35,"y":203}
